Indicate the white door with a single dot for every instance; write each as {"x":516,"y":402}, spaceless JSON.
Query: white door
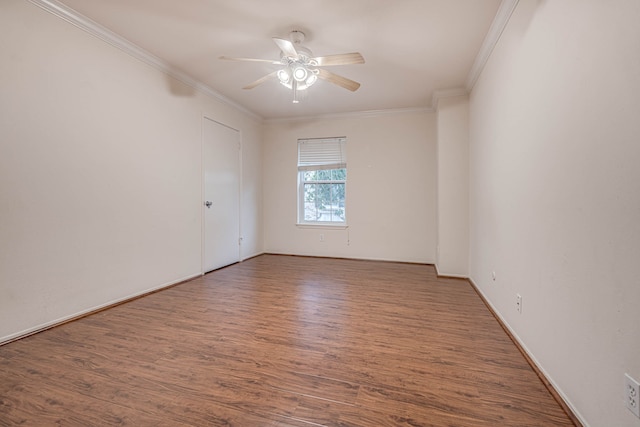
{"x":221,"y":166}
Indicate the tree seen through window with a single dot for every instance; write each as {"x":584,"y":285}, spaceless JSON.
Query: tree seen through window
{"x":324,"y":195}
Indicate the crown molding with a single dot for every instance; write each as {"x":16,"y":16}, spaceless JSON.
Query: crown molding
{"x":352,"y":115}
{"x":493,"y":36}
{"x":66,"y":13}
{"x":447,"y":93}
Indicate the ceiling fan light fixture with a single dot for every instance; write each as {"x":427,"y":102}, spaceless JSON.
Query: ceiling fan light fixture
{"x":284,"y":76}
{"x":311,"y":79}
{"x":297,"y":76}
{"x":300,"y":73}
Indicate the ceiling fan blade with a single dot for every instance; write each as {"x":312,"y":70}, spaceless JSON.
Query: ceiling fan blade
{"x":340,"y":59}
{"x":338,"y":80}
{"x":260,"y":80}
{"x":286,"y":47}
{"x":226,"y":58}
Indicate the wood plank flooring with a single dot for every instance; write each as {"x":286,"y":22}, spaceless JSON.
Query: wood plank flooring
{"x":281,"y":341}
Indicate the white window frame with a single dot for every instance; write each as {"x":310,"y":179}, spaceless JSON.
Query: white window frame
{"x":320,"y":154}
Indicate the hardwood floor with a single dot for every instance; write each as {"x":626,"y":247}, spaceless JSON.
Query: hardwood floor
{"x":281,"y":341}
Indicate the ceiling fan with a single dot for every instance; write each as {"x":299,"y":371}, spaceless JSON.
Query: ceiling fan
{"x":300,"y":69}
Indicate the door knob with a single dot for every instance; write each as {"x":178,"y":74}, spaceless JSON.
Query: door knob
{"x":208,"y":204}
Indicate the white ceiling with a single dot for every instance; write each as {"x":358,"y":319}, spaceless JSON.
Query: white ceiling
{"x":411,"y":47}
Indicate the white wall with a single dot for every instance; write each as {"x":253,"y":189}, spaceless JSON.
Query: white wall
{"x":391,"y":184}
{"x":453,"y":186}
{"x":555,"y":194}
{"x":100,"y":172}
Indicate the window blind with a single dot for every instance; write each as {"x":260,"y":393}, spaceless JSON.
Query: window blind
{"x":322,"y":153}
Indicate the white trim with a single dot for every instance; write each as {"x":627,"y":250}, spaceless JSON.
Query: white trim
{"x":445,"y":275}
{"x":240,"y":193}
{"x":314,"y":255}
{"x":352,"y":114}
{"x":452,"y":276}
{"x":252,"y":255}
{"x":336,"y":226}
{"x":61,"y":320}
{"x":447,"y":93}
{"x":240,"y":182}
{"x":202,"y":194}
{"x":64,"y":12}
{"x":493,"y":36}
{"x":530,"y":355}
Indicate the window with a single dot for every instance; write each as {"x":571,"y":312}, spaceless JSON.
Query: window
{"x":322,"y":180}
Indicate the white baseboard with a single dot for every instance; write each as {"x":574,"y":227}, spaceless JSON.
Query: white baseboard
{"x":532,"y":359}
{"x":83,"y":313}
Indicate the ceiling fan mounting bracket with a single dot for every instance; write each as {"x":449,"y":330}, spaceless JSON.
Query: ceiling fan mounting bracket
{"x":297,"y":36}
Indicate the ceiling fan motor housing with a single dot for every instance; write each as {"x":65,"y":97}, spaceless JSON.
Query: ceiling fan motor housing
{"x":297,"y":36}
{"x":299,"y":69}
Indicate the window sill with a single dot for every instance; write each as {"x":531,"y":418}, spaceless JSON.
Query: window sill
{"x":322,"y":225}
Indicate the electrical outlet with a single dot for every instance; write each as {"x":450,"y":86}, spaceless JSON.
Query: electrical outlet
{"x":322,"y":237}
{"x":519,"y":303}
{"x":632,"y":394}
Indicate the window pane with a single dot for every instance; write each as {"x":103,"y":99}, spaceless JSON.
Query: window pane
{"x":324,"y":175}
{"x":324,"y":202}
{"x":310,"y":208}
{"x":337,"y":202}
{"x":324,"y":195}
{"x":338,"y":174}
